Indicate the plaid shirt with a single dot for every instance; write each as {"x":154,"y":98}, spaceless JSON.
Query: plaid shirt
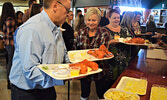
{"x":8,"y":31}
{"x":82,"y":41}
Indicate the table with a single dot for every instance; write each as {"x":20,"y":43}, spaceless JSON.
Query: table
{"x":160,"y":29}
{"x":148,"y":37}
{"x":155,"y":71}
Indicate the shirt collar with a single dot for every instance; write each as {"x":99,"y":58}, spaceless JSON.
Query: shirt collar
{"x":50,"y":23}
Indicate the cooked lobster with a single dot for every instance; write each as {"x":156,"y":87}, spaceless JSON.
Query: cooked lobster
{"x":84,"y":66}
{"x":100,"y":53}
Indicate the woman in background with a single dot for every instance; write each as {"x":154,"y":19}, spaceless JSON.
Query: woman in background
{"x":70,"y":17}
{"x":8,"y":26}
{"x":81,"y":23}
{"x":127,"y":22}
{"x":150,"y":26}
{"x":136,"y":23}
{"x":19,"y":16}
{"x":36,"y":8}
{"x":131,"y":20}
{"x":68,"y":32}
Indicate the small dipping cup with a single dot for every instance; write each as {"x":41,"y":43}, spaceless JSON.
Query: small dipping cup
{"x":74,"y":71}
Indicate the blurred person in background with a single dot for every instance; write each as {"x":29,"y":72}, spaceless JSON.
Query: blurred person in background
{"x":162,"y":44}
{"x":90,"y":37}
{"x":79,"y":12}
{"x":136,"y":23}
{"x":81,"y":23}
{"x":26,"y":15}
{"x":69,"y":18}
{"x":36,"y":8}
{"x":68,"y":32}
{"x":19,"y":15}
{"x":119,"y":10}
{"x":8,"y":26}
{"x":104,"y":19}
{"x":39,"y":41}
{"x":150,"y":25}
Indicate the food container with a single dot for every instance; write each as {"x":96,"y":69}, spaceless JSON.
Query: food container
{"x":117,"y":94}
{"x":74,"y":71}
{"x":158,"y":92}
{"x":133,"y":85}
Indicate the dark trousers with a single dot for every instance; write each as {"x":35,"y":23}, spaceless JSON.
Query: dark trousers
{"x":9,"y":58}
{"x":35,"y":94}
{"x":101,"y":87}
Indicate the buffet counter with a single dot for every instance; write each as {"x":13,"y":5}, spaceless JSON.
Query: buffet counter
{"x":153,"y":70}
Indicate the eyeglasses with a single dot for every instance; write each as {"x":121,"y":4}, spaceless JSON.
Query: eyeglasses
{"x":67,"y":9}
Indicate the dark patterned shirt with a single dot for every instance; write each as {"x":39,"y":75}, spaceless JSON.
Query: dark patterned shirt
{"x":8,"y":31}
{"x":121,"y":54}
{"x":83,"y":41}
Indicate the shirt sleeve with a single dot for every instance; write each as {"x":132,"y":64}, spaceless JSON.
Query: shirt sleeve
{"x":30,"y":51}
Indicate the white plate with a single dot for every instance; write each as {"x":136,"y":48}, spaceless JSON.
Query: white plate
{"x":145,"y":44}
{"x":80,"y":55}
{"x":133,"y":85}
{"x":53,"y":68}
{"x":122,"y":40}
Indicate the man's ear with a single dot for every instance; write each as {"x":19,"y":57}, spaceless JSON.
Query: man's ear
{"x":55,"y":6}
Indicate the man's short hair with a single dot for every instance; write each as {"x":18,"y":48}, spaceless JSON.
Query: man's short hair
{"x":46,"y":3}
{"x":31,"y":2}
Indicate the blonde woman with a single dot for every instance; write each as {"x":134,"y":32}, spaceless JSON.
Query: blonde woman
{"x":70,"y":17}
{"x":127,"y":22}
{"x":150,"y":26}
{"x":68,"y":33}
{"x":136,"y":23}
{"x":91,"y":37}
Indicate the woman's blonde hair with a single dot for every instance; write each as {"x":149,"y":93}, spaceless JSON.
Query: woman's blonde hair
{"x":150,"y":18}
{"x":127,"y":19}
{"x":91,"y":11}
{"x":67,"y":18}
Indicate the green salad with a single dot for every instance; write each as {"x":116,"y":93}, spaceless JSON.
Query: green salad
{"x":45,"y":67}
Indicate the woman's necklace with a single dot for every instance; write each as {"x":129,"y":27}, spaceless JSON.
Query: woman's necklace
{"x":92,"y":33}
{"x":115,"y":29}
{"x":135,"y":24}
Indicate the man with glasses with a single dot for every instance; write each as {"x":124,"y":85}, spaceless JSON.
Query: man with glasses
{"x":39,"y":41}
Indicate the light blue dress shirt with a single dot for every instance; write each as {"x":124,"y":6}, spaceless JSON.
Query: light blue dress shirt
{"x":37,"y":41}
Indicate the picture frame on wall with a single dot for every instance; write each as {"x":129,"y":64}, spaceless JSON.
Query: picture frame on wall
{"x":155,"y":12}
